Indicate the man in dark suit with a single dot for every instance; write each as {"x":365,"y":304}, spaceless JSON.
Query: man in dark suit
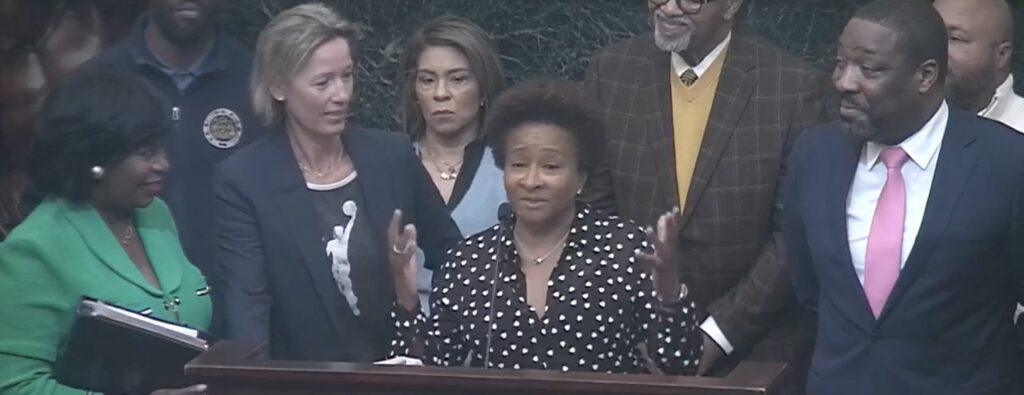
{"x":700,"y":116}
{"x":904,"y":222}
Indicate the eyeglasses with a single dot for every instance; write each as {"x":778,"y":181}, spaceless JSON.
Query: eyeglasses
{"x":687,"y":6}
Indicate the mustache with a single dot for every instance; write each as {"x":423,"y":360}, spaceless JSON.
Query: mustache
{"x":852,"y":102}
{"x":657,"y":15}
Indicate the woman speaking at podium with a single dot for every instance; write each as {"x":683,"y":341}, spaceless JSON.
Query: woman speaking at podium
{"x":556,"y":285}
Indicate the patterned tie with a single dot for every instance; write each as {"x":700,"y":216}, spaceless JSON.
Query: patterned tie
{"x":688,"y":77}
{"x":885,"y":242}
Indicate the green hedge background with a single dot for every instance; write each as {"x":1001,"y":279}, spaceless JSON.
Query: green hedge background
{"x":549,"y":38}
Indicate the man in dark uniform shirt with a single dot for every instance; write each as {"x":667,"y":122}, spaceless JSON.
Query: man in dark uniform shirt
{"x":205,"y":77}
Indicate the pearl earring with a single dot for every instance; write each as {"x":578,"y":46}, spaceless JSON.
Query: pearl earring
{"x":97,"y":172}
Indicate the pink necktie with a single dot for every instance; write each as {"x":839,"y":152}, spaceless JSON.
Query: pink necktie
{"x":885,"y":242}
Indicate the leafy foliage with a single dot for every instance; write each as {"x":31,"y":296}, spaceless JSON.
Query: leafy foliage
{"x":544,"y":38}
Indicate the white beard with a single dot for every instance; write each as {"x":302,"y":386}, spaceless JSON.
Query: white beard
{"x":670,"y":44}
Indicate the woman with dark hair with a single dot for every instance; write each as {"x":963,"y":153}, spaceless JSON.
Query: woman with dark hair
{"x":41,"y":42}
{"x":450,"y":73}
{"x":100,"y":232}
{"x":558,"y":286}
{"x":311,"y":218}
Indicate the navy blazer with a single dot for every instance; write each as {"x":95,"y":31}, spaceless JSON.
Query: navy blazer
{"x":947,"y":327}
{"x":277,"y":284}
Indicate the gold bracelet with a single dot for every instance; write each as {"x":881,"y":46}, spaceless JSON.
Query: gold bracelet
{"x":683,"y":291}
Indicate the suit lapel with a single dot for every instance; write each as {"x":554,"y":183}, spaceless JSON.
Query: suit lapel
{"x":295,"y":208}
{"x":97,"y":236}
{"x":735,"y":86}
{"x":953,"y":168}
{"x":838,"y":182}
{"x":378,"y":195}
{"x":660,"y":138}
{"x":162,"y":248}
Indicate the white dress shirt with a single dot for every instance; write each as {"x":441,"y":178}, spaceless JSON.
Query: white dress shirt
{"x":1006,"y":107}
{"x":923,"y":149}
{"x":679,"y":66}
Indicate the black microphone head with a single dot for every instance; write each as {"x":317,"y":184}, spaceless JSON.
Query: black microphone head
{"x":504,"y":212}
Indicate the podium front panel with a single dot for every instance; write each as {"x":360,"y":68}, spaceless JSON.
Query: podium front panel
{"x":241,"y":369}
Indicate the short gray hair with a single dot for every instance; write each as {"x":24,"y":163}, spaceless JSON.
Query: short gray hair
{"x":286,"y":44}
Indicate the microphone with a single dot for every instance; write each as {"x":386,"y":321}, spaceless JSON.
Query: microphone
{"x":504,"y":223}
{"x":504,"y":213}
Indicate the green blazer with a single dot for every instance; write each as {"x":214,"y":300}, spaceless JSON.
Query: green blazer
{"x":63,"y":251}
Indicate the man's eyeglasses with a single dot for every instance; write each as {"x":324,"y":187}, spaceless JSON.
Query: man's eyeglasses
{"x":687,"y":6}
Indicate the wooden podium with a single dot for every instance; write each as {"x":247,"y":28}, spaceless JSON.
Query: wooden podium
{"x":241,"y":369}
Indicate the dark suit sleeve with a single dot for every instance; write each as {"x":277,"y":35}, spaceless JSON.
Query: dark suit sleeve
{"x":798,"y":254}
{"x":751,"y":308}
{"x":243,"y":289}
{"x":599,"y":191}
{"x":436,"y":232}
{"x":1014,"y":240}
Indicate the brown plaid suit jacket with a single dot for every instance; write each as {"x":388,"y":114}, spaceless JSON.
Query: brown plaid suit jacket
{"x":731,"y":241}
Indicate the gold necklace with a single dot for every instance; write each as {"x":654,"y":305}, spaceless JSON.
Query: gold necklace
{"x":449,"y":171}
{"x":542,"y":258}
{"x":128,"y":233}
{"x":330,"y":169}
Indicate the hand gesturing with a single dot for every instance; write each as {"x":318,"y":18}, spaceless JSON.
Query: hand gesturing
{"x":401,"y":249}
{"x":663,"y":261}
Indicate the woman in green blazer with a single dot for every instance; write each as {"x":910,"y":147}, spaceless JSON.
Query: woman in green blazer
{"x":101,"y":232}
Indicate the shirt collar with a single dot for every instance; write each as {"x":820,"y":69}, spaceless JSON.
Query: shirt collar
{"x":921,"y":146}
{"x":679,"y":65}
{"x":210,"y":61}
{"x":196,"y":69}
{"x":1005,"y":89}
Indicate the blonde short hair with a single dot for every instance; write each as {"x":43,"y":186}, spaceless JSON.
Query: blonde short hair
{"x":286,"y":44}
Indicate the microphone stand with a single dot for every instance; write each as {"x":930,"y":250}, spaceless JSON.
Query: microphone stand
{"x":504,"y":225}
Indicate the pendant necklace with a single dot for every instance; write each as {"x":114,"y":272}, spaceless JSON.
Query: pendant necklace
{"x":128,"y":234}
{"x":447,"y":171}
{"x":542,"y":258}
{"x":320,"y":175}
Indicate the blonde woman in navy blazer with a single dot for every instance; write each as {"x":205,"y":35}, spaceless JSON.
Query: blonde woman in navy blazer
{"x":308,"y":219}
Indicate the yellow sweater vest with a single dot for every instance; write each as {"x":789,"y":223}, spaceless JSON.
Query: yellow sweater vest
{"x":691,"y":108}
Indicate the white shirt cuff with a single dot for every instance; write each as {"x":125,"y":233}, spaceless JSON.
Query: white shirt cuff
{"x":710,"y":327}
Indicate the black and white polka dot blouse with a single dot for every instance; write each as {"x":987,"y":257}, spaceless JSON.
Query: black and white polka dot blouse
{"x":601,"y":305}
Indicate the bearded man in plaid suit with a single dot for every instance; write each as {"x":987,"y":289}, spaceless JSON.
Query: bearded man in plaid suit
{"x":700,"y":116}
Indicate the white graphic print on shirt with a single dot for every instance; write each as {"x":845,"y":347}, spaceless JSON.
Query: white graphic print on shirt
{"x":337,"y":249}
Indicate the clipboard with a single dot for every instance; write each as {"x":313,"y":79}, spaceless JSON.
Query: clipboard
{"x":112,"y":349}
